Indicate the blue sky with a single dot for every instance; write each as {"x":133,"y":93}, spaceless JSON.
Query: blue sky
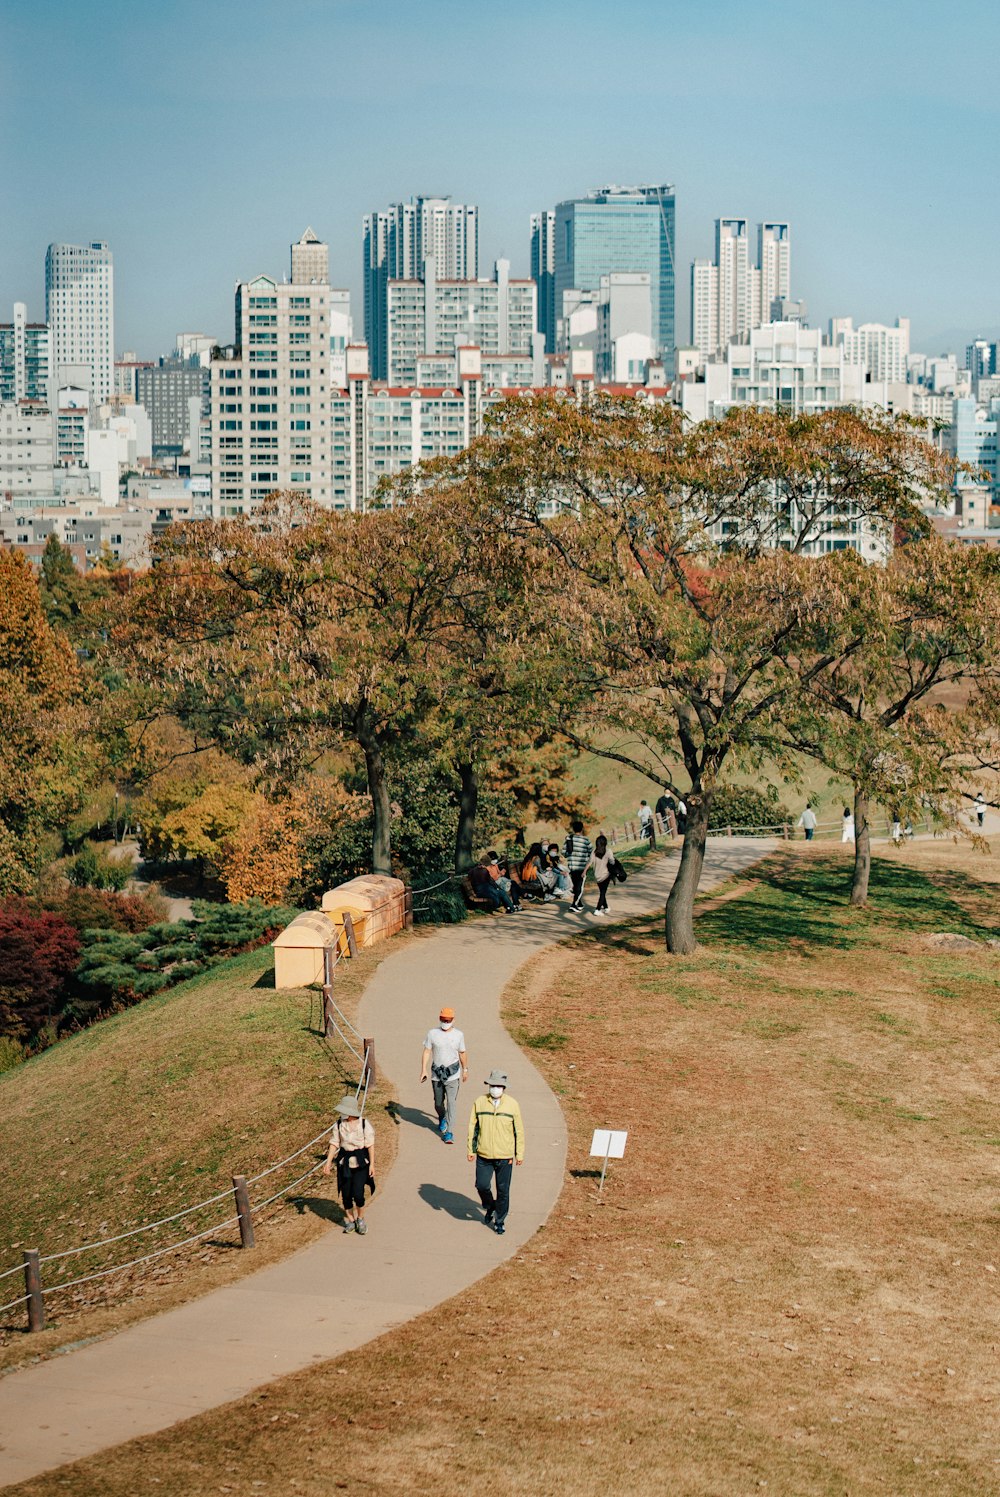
{"x":199,"y":137}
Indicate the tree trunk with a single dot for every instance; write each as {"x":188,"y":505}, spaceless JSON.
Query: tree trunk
{"x":679,"y":914}
{"x":378,"y":789}
{"x":862,"y":849}
{"x":467,"y":803}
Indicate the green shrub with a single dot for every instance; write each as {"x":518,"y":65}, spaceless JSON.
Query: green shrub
{"x":182,"y":970}
{"x":11,"y":1053}
{"x":746,"y":810}
{"x":91,"y":869}
{"x":151,"y":982}
{"x":444,"y":906}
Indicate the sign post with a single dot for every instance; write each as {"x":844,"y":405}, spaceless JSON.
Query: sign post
{"x":607,"y":1144}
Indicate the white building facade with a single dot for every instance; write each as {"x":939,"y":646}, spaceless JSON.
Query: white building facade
{"x":80,"y":312}
{"x":730,"y":295}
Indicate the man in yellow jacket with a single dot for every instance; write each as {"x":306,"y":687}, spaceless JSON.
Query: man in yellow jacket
{"x":496,"y":1143}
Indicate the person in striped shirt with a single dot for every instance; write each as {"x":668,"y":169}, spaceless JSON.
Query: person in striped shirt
{"x":577,"y":851}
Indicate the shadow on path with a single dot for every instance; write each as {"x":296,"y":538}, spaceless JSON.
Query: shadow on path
{"x":458,"y":1206}
{"x":414,"y":1115}
{"x":326,"y":1210}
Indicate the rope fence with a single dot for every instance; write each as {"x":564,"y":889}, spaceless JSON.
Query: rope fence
{"x":36,"y":1293}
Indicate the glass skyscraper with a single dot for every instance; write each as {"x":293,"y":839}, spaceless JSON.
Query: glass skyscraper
{"x":620,"y":228}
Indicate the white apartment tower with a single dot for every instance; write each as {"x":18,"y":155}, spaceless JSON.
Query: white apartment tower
{"x":774,"y":259}
{"x":883,"y":351}
{"x":270,"y":395}
{"x":398,"y":241}
{"x":80,"y":312}
{"x":731,"y":296}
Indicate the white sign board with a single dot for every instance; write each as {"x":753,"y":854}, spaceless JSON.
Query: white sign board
{"x":607,"y":1144}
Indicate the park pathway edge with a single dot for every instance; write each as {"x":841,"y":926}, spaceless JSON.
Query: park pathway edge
{"x":426,"y":1241}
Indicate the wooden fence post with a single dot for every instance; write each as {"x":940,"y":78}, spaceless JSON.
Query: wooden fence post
{"x":652,"y":835}
{"x":329,"y":967}
{"x":243,"y":1210}
{"x":33,"y":1289}
{"x":784,"y":830}
{"x":729,"y":831}
{"x":408,"y":908}
{"x":352,"y":944}
{"x":368,"y":1072}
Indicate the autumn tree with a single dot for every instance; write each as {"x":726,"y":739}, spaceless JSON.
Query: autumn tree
{"x":906,"y":716}
{"x":44,"y":765}
{"x":692,"y":612}
{"x":299,"y":631}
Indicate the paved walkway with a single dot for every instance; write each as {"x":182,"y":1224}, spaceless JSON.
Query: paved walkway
{"x":426,"y":1239}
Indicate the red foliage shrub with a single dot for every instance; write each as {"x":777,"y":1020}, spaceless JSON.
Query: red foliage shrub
{"x":38,"y":952}
{"x":105,"y":909}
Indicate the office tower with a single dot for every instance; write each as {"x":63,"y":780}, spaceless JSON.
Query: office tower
{"x":270,"y":396}
{"x":397,"y":242}
{"x":310,"y":260}
{"x":80,"y":312}
{"x":543,"y":273}
{"x":883,"y":351}
{"x":620,"y":228}
{"x":434,"y":317}
{"x":774,"y":260}
{"x":24,"y":358}
{"x":730,"y":295}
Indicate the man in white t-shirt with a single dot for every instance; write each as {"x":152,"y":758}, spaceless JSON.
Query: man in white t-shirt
{"x":444,"y":1055}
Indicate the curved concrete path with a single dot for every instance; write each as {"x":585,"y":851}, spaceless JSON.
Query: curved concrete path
{"x":426,"y":1239}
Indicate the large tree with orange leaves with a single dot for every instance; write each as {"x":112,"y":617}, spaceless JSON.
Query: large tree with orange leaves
{"x":43,"y":763}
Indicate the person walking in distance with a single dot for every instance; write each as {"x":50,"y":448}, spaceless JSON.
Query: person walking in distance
{"x":444,"y":1055}
{"x":847,"y":835}
{"x":577,"y":851}
{"x":807,"y":821}
{"x":645,"y":820}
{"x":496,"y":1143}
{"x":603,"y":863}
{"x":352,"y":1146}
{"x":980,"y":810}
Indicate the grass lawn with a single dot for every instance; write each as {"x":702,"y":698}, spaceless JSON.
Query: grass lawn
{"x":154,"y":1110}
{"x":616,"y":790}
{"x":791,"y":1281}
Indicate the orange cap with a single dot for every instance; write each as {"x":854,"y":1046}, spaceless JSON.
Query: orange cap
{"x":447,"y":1013}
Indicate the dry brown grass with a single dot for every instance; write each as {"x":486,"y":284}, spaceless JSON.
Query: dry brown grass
{"x":791,"y":1282}
{"x":154,"y":1110}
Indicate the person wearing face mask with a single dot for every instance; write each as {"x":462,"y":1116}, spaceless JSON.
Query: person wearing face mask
{"x":444,"y":1053}
{"x":496,"y":1143}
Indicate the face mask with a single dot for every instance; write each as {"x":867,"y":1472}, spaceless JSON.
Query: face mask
{"x":446,"y":1023}
{"x":496,"y":1091}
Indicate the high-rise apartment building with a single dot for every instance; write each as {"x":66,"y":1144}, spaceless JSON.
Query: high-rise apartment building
{"x":543,"y":273}
{"x":398,"y":241}
{"x":270,"y":396}
{"x":730,"y":296}
{"x":24,"y":358}
{"x":80,"y":312}
{"x":774,"y":262}
{"x":620,"y":228}
{"x":883,"y":351}
{"x":431,"y":316}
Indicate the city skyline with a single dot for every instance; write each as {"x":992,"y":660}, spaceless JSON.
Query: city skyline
{"x":863,"y":136}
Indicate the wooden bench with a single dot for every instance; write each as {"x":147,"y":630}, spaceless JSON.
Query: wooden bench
{"x":472,"y":899}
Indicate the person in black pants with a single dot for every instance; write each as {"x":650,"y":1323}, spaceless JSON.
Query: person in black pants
{"x":602,"y":862}
{"x":578,"y":851}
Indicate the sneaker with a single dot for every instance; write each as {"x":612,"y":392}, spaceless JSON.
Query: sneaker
{"x":499,"y":1229}
{"x":600,"y":912}
{"x":449,"y":1138}
{"x":348,"y":1225}
{"x":488,"y":1218}
{"x":577,"y":908}
{"x":548,"y":899}
{"x":361,"y":1228}
{"x":442,"y":1125}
